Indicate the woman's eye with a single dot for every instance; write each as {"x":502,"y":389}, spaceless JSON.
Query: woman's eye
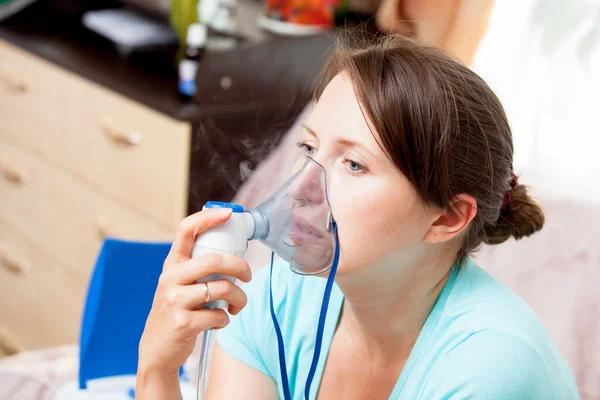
{"x":308,"y":149}
{"x":355,"y":167}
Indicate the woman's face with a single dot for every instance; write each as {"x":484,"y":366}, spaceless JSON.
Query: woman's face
{"x":381,"y":219}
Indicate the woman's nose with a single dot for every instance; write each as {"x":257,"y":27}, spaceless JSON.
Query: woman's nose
{"x":309,"y":184}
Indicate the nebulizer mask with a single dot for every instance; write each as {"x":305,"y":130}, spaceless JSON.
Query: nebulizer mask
{"x":296,"y":223}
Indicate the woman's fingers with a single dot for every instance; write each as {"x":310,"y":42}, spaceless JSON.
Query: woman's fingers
{"x":191,"y":323}
{"x":190,"y":227}
{"x":192,"y":297}
{"x":208,"y":264}
{"x":234,"y":310}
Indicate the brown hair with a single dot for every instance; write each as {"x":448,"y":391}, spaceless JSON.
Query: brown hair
{"x":443,"y":128}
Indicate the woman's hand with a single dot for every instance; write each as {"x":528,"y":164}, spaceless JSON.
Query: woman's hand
{"x":177,"y":317}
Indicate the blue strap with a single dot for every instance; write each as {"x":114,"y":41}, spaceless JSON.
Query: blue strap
{"x":280,"y":345}
{"x":320,"y":327}
{"x":323,"y":315}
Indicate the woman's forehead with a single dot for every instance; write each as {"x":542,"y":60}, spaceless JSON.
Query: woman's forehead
{"x":338,"y":114}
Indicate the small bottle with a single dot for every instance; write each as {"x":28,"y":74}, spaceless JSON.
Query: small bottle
{"x":188,"y":66}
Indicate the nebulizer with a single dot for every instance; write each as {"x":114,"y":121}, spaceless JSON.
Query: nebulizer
{"x":296,"y":223}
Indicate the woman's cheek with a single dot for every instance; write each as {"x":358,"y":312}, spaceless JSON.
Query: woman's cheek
{"x":356,"y":218}
{"x":344,"y":201}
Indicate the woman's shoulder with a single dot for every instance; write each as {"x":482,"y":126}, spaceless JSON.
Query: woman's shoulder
{"x":486,"y":330}
{"x":495,"y":364}
{"x":479,"y":299}
{"x":479,"y":302}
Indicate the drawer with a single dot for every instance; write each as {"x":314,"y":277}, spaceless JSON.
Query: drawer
{"x":40,"y":303}
{"x":66,"y":217}
{"x":129,"y":151}
{"x":32,"y":98}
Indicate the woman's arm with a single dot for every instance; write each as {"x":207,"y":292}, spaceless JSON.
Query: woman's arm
{"x":467,"y":29}
{"x":152,"y":385}
{"x":492,"y":365}
{"x":457,"y":26}
{"x":232,"y":379}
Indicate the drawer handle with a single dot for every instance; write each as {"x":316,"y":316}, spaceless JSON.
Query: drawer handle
{"x":14,"y":174}
{"x":120,"y":136}
{"x":15,"y":84}
{"x":13,"y":264}
{"x":8,"y":342}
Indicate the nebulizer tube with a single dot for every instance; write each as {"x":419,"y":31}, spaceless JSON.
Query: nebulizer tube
{"x":203,"y":365}
{"x":296,"y":223}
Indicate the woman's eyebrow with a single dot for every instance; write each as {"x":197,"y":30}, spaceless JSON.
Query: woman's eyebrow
{"x":309,"y":130}
{"x":341,"y":141}
{"x":352,"y":143}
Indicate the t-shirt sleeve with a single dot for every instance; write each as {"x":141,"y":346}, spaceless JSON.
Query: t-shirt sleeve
{"x":244,"y":337}
{"x":490,"y":365}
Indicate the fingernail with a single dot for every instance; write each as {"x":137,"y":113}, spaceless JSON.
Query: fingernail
{"x":225,"y":211}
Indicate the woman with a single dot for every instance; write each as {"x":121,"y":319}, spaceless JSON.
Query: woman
{"x":418,"y":154}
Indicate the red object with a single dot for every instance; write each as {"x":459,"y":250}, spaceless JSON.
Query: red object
{"x":507,"y":195}
{"x":305,"y":12}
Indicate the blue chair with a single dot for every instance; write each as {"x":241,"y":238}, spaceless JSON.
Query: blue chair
{"x":119,"y":298}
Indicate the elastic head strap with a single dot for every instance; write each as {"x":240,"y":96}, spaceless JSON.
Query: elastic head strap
{"x":323,"y":314}
{"x":320,"y":326}
{"x":280,"y":344}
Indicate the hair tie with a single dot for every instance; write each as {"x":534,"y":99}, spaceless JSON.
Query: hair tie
{"x":507,"y":195}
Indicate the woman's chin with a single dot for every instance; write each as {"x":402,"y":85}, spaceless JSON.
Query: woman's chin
{"x":346,"y":270}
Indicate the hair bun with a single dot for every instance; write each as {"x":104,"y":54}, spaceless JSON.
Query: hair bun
{"x":521,"y":217}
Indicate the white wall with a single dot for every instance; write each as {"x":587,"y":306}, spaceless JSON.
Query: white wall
{"x":542,"y":58}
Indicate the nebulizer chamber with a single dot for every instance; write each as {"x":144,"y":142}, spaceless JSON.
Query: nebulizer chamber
{"x":295,"y":222}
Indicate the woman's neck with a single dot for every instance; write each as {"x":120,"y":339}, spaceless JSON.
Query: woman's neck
{"x":386,"y":306}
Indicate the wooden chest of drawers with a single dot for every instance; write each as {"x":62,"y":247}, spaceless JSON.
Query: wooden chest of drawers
{"x":77,"y":163}
{"x":95,"y":144}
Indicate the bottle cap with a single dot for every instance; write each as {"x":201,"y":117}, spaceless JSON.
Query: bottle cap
{"x":236,"y":208}
{"x":197,"y":35}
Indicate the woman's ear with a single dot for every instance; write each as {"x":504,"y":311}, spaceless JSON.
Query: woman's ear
{"x":453,"y":221}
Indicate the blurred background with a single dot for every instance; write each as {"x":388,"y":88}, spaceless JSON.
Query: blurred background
{"x":120,"y":117}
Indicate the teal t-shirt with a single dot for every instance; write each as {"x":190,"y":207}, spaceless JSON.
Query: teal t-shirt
{"x":481,"y":340}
